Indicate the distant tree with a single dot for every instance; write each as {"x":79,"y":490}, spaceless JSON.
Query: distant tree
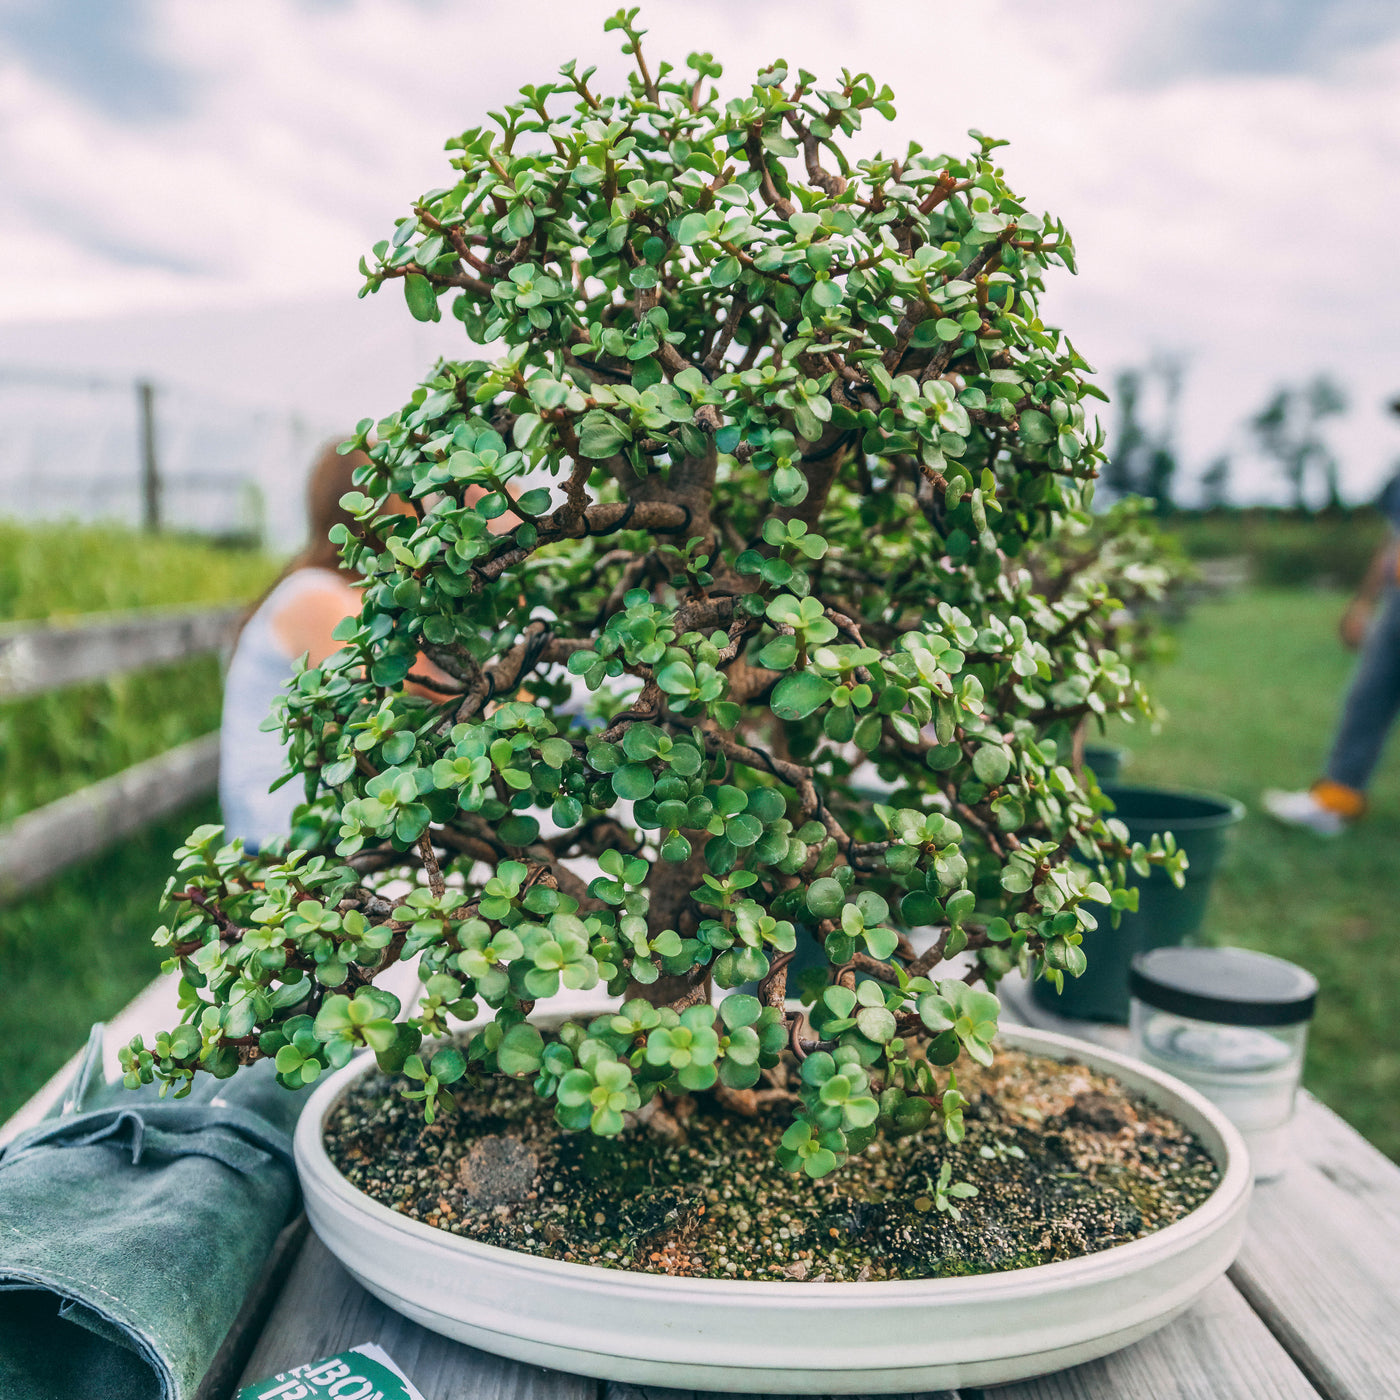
{"x":1215,"y":484}
{"x":1143,"y":461}
{"x":1161,"y":468}
{"x":1119,"y":474}
{"x":1286,"y":429}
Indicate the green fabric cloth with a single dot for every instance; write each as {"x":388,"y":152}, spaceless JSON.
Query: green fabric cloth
{"x":133,"y":1228}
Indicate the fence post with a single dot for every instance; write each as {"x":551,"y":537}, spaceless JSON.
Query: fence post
{"x":150,"y":468}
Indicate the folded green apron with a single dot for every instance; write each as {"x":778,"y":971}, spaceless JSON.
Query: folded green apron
{"x":133,"y":1228}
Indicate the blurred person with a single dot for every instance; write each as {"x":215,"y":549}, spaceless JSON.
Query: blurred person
{"x":1371,"y":623}
{"x":294,"y":618}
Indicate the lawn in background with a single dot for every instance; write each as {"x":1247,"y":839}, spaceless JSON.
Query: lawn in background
{"x":1252,"y":695}
{"x":54,"y":743}
{"x":79,"y":949}
{"x":63,"y":570}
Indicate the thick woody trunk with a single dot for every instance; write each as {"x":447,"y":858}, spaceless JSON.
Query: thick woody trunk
{"x":821,"y":464}
{"x":669,"y":887}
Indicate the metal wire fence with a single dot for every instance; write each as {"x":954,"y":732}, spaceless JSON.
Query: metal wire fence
{"x":153,"y":455}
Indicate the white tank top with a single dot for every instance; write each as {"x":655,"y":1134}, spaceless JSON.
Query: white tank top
{"x":251,"y":759}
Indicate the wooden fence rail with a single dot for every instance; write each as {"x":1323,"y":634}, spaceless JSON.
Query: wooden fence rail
{"x":37,"y":845}
{"x":35,"y":658}
{"x":47,"y":656}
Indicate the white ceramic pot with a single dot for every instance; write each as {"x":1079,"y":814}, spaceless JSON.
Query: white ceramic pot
{"x":831,"y":1338}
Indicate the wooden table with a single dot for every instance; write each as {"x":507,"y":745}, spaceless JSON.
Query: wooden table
{"x":1311,"y":1307}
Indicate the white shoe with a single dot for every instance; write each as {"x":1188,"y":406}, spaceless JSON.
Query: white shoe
{"x":1302,"y":809}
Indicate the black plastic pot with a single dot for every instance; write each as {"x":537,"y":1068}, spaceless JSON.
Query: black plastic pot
{"x":1107,"y":761}
{"x":1166,"y":916}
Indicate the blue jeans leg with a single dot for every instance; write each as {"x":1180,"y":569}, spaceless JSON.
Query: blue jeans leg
{"x":1371,"y":703}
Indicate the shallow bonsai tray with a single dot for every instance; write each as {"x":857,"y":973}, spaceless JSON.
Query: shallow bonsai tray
{"x":789,"y":1337}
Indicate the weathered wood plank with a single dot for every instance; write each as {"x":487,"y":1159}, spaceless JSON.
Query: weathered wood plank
{"x":37,"y":845}
{"x":322,"y":1310}
{"x":1321,"y":1259}
{"x":36,"y":658}
{"x":1326,"y":1141}
{"x":1217,"y":1350}
{"x":248,"y":1325}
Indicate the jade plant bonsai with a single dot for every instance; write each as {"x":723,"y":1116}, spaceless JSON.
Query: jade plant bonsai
{"x":784,"y":638}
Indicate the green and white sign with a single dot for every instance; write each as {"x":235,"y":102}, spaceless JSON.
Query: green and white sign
{"x":362,"y":1373}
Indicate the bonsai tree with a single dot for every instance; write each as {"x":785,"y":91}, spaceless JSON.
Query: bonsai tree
{"x":766,"y":643}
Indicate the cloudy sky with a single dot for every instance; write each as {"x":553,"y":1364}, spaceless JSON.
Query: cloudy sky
{"x":186,"y":185}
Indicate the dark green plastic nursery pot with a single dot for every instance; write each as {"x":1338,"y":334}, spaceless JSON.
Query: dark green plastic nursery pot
{"x":1166,"y":916}
{"x":1107,"y":761}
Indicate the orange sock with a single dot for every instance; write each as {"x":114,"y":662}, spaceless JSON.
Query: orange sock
{"x":1345,"y":801}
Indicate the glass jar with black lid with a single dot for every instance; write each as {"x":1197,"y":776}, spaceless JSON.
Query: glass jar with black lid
{"x":1233,"y":1024}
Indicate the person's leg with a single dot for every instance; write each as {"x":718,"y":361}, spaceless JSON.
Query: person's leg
{"x":1371,"y":703}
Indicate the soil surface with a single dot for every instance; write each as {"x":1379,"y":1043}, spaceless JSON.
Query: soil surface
{"x":1065,"y":1162}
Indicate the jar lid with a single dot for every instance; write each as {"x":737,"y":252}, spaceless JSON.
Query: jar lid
{"x":1234,"y":986}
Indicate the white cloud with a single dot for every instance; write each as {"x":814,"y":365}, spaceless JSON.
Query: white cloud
{"x":1241,"y":219}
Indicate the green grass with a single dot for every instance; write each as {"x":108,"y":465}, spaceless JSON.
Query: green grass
{"x":55,"y":743}
{"x":62,"y":570}
{"x":1286,"y":548}
{"x":1252,"y":696}
{"x":79,"y":950}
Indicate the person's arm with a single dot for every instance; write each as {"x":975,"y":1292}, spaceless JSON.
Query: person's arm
{"x":305,"y":622}
{"x":304,"y":625}
{"x":1357,"y":616}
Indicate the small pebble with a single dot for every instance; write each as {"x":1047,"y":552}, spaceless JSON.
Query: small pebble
{"x":497,"y":1171}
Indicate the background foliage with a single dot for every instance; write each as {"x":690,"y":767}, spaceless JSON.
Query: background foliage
{"x":79,"y":949}
{"x":64,"y":570}
{"x":1286,"y":549}
{"x":53,"y":744}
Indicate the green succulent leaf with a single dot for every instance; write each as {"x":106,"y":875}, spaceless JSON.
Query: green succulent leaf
{"x":796,"y":696}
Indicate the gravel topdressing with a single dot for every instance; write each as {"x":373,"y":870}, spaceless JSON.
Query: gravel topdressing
{"x":696,"y":1191}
